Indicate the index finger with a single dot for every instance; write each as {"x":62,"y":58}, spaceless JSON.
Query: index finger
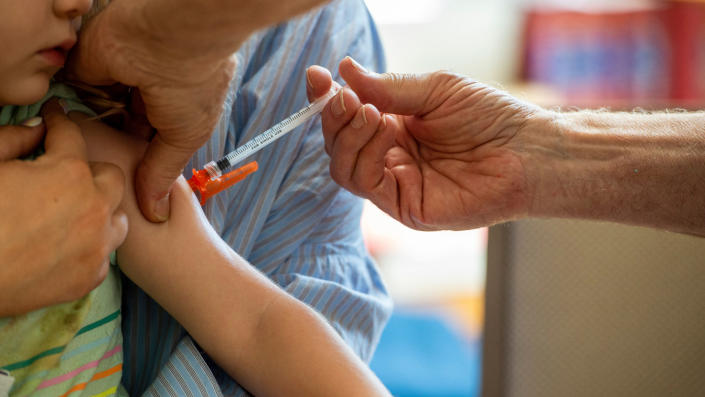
{"x":63,"y":136}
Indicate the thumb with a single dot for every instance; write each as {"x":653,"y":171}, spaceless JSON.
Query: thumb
{"x":404,"y":94}
{"x":19,"y":140}
{"x":161,"y":165}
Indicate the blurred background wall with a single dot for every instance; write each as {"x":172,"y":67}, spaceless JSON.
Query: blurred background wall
{"x":586,"y":309}
{"x":621,"y":55}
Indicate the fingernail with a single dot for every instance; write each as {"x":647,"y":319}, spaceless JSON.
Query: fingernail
{"x":384,"y":122}
{"x":33,"y":122}
{"x":308,"y":78}
{"x":359,"y":67}
{"x":64,"y":105}
{"x":360,"y":118}
{"x":338,"y":106}
{"x":161,"y":209}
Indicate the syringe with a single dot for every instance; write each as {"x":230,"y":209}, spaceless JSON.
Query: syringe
{"x":210,"y":181}
{"x":254,"y":145}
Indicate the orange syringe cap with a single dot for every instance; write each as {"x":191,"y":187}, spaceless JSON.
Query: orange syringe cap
{"x":205,"y":187}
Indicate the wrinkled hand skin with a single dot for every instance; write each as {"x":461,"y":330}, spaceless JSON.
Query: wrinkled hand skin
{"x":435,"y":151}
{"x":183,"y":96}
{"x":179,"y":54}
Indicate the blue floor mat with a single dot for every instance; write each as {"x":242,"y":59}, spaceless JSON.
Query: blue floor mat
{"x":421,"y":355}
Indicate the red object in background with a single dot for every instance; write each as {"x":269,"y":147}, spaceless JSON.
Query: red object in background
{"x":686,"y":25}
{"x":652,"y":57}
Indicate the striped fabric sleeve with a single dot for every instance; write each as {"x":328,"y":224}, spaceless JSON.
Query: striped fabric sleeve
{"x":312,"y":246}
{"x":184,"y":375}
{"x":308,"y":240}
{"x":311,"y":243}
{"x":331,"y":272}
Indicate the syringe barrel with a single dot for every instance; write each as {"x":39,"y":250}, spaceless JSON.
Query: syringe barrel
{"x":213,"y":170}
{"x":216,"y":169}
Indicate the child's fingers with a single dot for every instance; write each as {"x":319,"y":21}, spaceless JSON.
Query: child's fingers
{"x":339,"y":111}
{"x":352,"y":138}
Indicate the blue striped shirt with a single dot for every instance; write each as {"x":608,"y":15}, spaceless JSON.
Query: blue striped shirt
{"x":289,"y":219}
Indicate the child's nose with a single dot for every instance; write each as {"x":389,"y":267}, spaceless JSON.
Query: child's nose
{"x":71,"y":8}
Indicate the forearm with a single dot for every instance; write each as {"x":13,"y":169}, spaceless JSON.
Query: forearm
{"x":291,"y":335}
{"x":209,"y":29}
{"x":640,"y":169}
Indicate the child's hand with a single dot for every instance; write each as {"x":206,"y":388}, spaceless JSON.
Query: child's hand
{"x":60,"y":220}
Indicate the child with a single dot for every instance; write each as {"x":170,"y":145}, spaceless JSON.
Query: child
{"x":252,"y":329}
{"x":57,"y":349}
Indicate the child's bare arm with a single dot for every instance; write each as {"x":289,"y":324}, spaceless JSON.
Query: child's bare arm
{"x":270,"y":342}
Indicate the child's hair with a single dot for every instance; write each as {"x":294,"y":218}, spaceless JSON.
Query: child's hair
{"x":109,"y":103}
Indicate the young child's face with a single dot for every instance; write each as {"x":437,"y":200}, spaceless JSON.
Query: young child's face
{"x":35,"y":37}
